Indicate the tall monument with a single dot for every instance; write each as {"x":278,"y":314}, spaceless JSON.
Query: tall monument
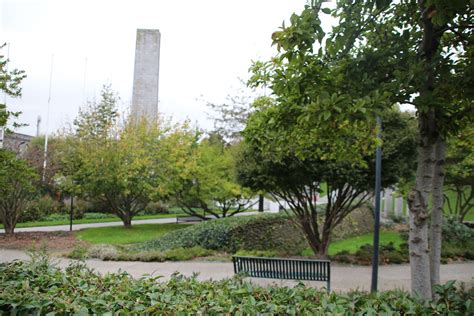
{"x":146,"y":75}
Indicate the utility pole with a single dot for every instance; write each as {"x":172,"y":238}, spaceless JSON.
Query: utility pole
{"x":47,"y":121}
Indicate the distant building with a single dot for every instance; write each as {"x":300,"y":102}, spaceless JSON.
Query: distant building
{"x":146,"y":75}
{"x":17,"y":142}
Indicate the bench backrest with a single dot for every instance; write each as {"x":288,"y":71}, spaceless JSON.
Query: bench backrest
{"x":181,"y":218}
{"x":282,"y":268}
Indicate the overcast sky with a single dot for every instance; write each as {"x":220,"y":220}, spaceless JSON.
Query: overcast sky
{"x":206,"y":46}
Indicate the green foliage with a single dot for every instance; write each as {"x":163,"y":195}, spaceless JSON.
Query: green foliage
{"x":207,"y":179}
{"x":156,"y":208}
{"x":96,"y":120}
{"x":17,"y":188}
{"x":456,"y":232}
{"x":10,"y":81}
{"x":123,"y":171}
{"x":38,"y":288}
{"x":79,"y":252}
{"x":111,"y":253}
{"x":39,"y":209}
{"x":267,"y":232}
{"x":460,"y":173}
{"x":263,"y":165}
{"x":180,"y":254}
{"x":257,"y":253}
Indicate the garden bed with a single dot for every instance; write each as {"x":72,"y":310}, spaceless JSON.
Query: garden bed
{"x":55,"y":241}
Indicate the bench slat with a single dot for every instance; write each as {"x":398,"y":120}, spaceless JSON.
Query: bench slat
{"x":282,"y":268}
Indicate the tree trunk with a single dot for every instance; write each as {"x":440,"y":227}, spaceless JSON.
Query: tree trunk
{"x":418,"y":200}
{"x":127,"y":220}
{"x":437,"y":212}
{"x":8,"y":220}
{"x":260,"y":202}
{"x":9,"y":229}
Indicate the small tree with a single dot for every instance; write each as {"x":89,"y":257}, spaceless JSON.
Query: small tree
{"x":297,"y":181}
{"x":16,"y":188}
{"x":208,"y":181}
{"x":123,"y":172}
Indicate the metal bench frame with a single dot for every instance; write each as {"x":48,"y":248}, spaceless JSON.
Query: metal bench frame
{"x":283,"y":268}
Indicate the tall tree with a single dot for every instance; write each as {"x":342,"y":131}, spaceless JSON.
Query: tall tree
{"x":381,"y":52}
{"x":10,"y":81}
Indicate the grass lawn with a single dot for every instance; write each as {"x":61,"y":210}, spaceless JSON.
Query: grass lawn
{"x":120,"y":235}
{"x":353,"y":244}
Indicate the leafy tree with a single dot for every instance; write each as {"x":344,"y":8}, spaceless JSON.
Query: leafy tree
{"x":379,"y":53}
{"x":10,"y":81}
{"x":96,"y":120}
{"x":207,"y":180}
{"x":460,"y":173}
{"x":297,"y":181}
{"x":117,"y":164}
{"x":123,"y":171}
{"x":16,"y":188}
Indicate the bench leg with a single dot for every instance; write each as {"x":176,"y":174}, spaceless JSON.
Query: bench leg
{"x":329,"y":286}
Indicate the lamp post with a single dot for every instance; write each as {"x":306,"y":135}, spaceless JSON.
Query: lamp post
{"x":71,"y":212}
{"x":378,"y":180}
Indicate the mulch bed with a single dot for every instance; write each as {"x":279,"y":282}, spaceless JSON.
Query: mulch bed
{"x":50,"y":240}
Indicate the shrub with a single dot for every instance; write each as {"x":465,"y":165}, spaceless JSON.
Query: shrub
{"x":36,"y":287}
{"x":180,"y":254}
{"x":456,"y":232}
{"x":39,"y":209}
{"x":103,"y":252}
{"x":79,"y":252}
{"x":358,"y":222}
{"x":260,"y":232}
{"x":257,"y":253}
{"x":154,"y":208}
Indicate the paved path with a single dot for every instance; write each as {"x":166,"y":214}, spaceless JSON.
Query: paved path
{"x":343,"y":277}
{"x":107,"y":224}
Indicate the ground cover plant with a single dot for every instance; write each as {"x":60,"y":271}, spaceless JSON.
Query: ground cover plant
{"x":37,"y":287}
{"x":259,"y":235}
{"x":261,"y":232}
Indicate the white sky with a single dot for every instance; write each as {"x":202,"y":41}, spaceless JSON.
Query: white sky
{"x":206,"y":46}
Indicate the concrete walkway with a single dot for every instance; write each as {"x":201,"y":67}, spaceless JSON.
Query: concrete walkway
{"x":90,"y":225}
{"x":343,"y":277}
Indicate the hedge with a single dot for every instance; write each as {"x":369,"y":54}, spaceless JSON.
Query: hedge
{"x":260,"y":232}
{"x":39,"y":288}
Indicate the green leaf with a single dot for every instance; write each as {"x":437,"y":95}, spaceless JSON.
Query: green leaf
{"x":326,"y":10}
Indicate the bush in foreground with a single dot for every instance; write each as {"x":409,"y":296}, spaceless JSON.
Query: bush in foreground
{"x":37,"y":287}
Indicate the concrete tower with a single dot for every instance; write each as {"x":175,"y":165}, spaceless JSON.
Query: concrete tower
{"x":146,"y":75}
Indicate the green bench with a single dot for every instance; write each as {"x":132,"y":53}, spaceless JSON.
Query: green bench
{"x":282,"y":268}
